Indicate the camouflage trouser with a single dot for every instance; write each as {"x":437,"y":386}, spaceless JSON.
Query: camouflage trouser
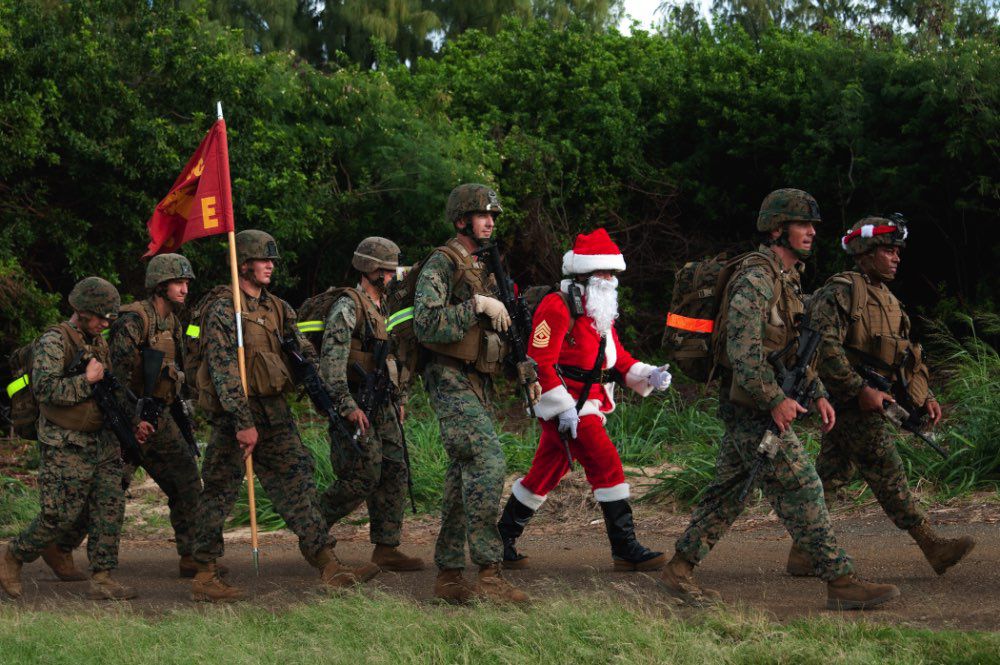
{"x":789,"y":483}
{"x":169,"y":461}
{"x":474,"y":480}
{"x":75,"y":482}
{"x":864,"y":442}
{"x":285,"y":469}
{"x":377,"y":477}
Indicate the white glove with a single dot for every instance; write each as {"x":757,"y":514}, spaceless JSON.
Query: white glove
{"x":659,"y":378}
{"x":568,"y":421}
{"x":495,"y":310}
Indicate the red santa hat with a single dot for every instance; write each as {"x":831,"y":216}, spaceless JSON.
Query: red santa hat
{"x":593,"y":251}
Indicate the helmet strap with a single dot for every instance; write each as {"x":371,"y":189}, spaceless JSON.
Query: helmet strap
{"x":783,"y":241}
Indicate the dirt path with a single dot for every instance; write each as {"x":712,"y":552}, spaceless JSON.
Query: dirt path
{"x":569,"y":552}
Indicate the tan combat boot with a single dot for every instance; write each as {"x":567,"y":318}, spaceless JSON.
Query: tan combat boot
{"x":387,"y":557}
{"x":338,"y":576}
{"x":493,"y":587}
{"x":677,"y":579}
{"x":188,"y":567}
{"x":452,"y":587}
{"x":799,"y":564}
{"x":941,"y":553}
{"x":10,"y":573}
{"x":847,"y":592}
{"x":102,"y":587}
{"x":207,"y":586}
{"x":61,"y":563}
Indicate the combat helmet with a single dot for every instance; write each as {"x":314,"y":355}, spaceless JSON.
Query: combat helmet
{"x":471,"y":197}
{"x":165,"y":267}
{"x":97,"y":295}
{"x":252,"y":244}
{"x":870,"y":232}
{"x":783,"y":206}
{"x":375,"y":253}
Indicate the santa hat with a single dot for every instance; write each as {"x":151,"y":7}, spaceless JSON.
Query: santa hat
{"x":591,"y":252}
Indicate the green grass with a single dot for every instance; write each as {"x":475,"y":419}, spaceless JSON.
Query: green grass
{"x":384,"y":629}
{"x":18,"y":506}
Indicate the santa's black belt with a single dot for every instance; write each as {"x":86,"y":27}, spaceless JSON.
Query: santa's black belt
{"x":581,"y":375}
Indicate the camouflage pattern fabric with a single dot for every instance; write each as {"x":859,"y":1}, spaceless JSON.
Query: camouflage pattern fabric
{"x":476,"y":470}
{"x":78,"y":485}
{"x":829,"y":308}
{"x":378,"y":477}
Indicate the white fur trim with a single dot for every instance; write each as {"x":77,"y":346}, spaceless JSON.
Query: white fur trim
{"x":610,"y":351}
{"x":843,"y":243}
{"x":526,"y":496}
{"x":579,"y":264}
{"x":868,"y":231}
{"x":592,"y":407}
{"x":553,"y":402}
{"x":637,"y":378}
{"x":613,"y":493}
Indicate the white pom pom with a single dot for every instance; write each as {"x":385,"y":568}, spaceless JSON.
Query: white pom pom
{"x":567,"y":263}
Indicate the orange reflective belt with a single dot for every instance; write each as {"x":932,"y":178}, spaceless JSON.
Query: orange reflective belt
{"x":687,"y":323}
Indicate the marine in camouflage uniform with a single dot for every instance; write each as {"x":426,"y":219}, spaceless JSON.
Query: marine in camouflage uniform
{"x":261,"y":424}
{"x":167,"y":457}
{"x":756,"y":318}
{"x":459,"y":322}
{"x":378,"y":476}
{"x":81,"y":467}
{"x":864,"y":325}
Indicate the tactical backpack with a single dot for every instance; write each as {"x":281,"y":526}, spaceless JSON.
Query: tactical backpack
{"x":694,"y":306}
{"x":193,"y":346}
{"x":313,"y":312}
{"x":24,"y":410}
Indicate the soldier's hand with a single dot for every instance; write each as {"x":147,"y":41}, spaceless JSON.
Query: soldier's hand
{"x":359,"y":420}
{"x":94,"y":371}
{"x":872,"y":400}
{"x":827,"y":413}
{"x":247,"y":439}
{"x":495,"y":310}
{"x":933,"y":410}
{"x":569,"y":420}
{"x":143,"y":431}
{"x":786,"y":412}
{"x":402,"y":414}
{"x":534,"y":392}
{"x":659,"y":378}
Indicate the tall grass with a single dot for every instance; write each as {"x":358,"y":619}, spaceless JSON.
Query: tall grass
{"x":18,"y":506}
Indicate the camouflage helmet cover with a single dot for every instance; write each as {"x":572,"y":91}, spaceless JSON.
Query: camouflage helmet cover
{"x":471,"y":197}
{"x":870,"y":232}
{"x":165,"y":267}
{"x":93,"y":294}
{"x":783,"y":206}
{"x":252,"y":244}
{"x":375,"y":253}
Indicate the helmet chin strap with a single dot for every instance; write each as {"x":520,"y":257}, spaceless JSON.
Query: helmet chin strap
{"x":376,"y":283}
{"x":783,"y":241}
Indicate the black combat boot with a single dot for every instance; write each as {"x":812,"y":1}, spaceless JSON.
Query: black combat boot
{"x":511,"y":525}
{"x":627,"y":552}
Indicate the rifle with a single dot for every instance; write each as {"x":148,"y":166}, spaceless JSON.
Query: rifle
{"x":103,"y":392}
{"x":520,"y":328}
{"x":796,"y":384}
{"x":897,"y":414}
{"x":179,"y":411}
{"x":306,"y":374}
{"x":150,"y":408}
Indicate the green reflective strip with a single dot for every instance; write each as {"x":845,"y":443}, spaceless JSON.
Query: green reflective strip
{"x":312,"y":326}
{"x":193,"y":331}
{"x":105,"y":333}
{"x":17,"y":385}
{"x":402,"y":316}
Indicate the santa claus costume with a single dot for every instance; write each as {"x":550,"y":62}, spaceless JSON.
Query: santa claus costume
{"x":579,"y":356}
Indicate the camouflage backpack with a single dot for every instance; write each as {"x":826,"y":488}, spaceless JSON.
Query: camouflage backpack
{"x":193,"y":347}
{"x":24,"y":409}
{"x":313,"y":312}
{"x":694,"y":306}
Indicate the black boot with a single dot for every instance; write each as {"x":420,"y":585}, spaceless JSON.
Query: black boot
{"x":626,"y":551}
{"x":511,"y":525}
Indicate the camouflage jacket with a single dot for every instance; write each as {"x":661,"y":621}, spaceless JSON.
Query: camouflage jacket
{"x":50,"y":385}
{"x":340,"y":323}
{"x":219,"y":339}
{"x":126,"y":340}
{"x":750,"y":293}
{"x":435,"y":318}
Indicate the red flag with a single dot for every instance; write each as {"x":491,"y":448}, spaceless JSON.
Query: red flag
{"x":200,"y":203}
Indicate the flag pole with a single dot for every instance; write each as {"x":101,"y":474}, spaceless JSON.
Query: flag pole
{"x":241,"y":361}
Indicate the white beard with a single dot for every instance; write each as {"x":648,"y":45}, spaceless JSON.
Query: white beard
{"x":602,"y":302}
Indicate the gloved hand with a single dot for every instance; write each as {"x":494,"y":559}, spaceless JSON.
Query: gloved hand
{"x":659,"y":378}
{"x":534,"y":392}
{"x":527,"y":372}
{"x":495,"y":310}
{"x":568,"y":422}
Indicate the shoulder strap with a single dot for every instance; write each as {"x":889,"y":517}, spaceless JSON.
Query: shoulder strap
{"x":139,"y":308}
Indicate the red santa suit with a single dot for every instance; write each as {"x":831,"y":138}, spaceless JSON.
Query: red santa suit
{"x":551,"y":346}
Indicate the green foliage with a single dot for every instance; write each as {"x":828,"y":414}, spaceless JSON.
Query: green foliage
{"x":25,"y":309}
{"x":18,"y":505}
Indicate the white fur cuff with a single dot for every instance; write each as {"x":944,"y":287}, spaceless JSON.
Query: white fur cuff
{"x":613,"y":493}
{"x":637,"y":376}
{"x":554,"y":402}
{"x":526,"y":496}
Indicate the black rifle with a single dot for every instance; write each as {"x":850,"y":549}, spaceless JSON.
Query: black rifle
{"x":103,"y":392}
{"x":150,"y":408}
{"x":306,"y":374}
{"x":179,"y":412}
{"x":375,"y":391}
{"x":902,"y":415}
{"x":520,"y":316}
{"x":796,"y":384}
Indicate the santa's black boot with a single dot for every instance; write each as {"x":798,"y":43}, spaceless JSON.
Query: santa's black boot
{"x":626,"y":551}
{"x":511,"y":525}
